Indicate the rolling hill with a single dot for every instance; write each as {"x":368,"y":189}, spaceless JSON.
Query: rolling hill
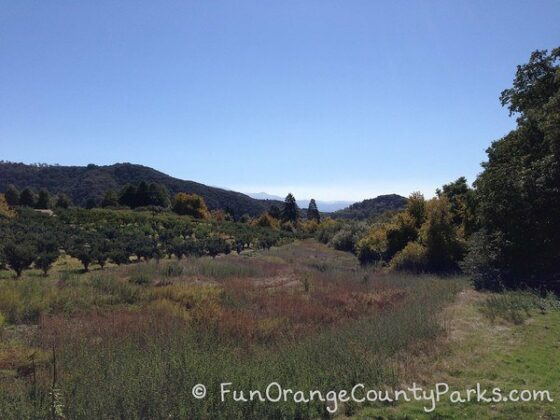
{"x":372,"y":207}
{"x":83,"y":182}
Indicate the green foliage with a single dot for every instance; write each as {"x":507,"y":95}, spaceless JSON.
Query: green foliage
{"x":290,"y":211}
{"x":27,"y":198}
{"x":416,"y":208}
{"x":111,"y":199}
{"x":275,"y":212}
{"x":47,"y":254}
{"x":439,"y":235}
{"x":20,"y":255}
{"x":62,"y":201}
{"x":217,"y":245}
{"x":82,"y":183}
{"x":313,"y":211}
{"x":43,"y":200}
{"x":190,"y":205}
{"x":518,"y":197}
{"x":12,"y":195}
{"x":516,"y":307}
{"x":371,"y":209}
{"x":413,"y":257}
{"x":400,"y":231}
{"x":462,"y":204}
{"x":372,"y":248}
{"x":267,"y":221}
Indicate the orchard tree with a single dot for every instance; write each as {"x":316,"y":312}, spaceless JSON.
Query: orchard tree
{"x":19,"y":256}
{"x":81,"y":249}
{"x":216,"y":245}
{"x":47,"y":254}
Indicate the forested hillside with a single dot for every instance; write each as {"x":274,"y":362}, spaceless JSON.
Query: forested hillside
{"x":372,"y":207}
{"x":81,"y":183}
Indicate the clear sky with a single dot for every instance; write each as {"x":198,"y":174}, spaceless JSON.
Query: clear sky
{"x":327,"y":99}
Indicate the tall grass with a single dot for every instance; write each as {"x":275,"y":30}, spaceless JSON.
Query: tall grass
{"x":135,"y":351}
{"x":517,"y":306}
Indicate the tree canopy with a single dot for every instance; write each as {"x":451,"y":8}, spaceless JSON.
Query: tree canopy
{"x":518,"y":193}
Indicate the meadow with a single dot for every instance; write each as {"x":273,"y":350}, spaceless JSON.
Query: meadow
{"x":130,"y":341}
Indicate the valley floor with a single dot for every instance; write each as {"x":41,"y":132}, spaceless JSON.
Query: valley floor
{"x":131,"y":341}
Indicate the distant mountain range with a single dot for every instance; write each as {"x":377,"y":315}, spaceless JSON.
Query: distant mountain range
{"x":83,"y":182}
{"x":324,"y":206}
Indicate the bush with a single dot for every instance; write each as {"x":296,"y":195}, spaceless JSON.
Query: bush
{"x":414,"y":258}
{"x":266,"y":220}
{"x":439,"y":235}
{"x":479,"y":263}
{"x":344,"y":240}
{"x":190,"y":205}
{"x":373,"y":247}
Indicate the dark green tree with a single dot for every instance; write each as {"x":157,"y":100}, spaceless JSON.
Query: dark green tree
{"x":62,"y":201}
{"x":142,"y":195}
{"x":275,"y":212}
{"x":518,"y":194}
{"x":290,"y":212}
{"x":47,"y":254}
{"x":27,"y":198}
{"x":313,"y":211}
{"x":91,"y":203}
{"x":44,"y":200}
{"x":462,"y":203}
{"x":19,"y":256}
{"x":110,"y":199}
{"x":81,"y":248}
{"x":12,"y":195}
{"x":216,"y":245}
{"x":158,"y":195}
{"x":128,"y":196}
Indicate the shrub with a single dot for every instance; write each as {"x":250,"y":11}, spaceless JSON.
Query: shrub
{"x":190,"y":205}
{"x":344,"y":240}
{"x":413,"y":257}
{"x":439,"y":235}
{"x":266,"y":220}
{"x":373,"y":247}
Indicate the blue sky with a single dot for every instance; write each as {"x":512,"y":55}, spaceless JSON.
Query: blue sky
{"x":327,"y":99}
